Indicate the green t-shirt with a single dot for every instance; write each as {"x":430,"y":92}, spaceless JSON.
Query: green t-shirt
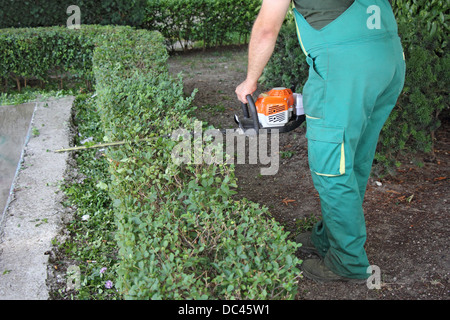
{"x":319,"y":13}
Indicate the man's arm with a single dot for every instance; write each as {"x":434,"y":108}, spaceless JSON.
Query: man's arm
{"x":262,"y":43}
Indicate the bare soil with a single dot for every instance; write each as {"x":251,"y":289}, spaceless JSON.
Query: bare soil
{"x":406,"y":214}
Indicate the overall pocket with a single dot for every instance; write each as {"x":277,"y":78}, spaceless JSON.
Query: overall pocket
{"x":314,"y":92}
{"x":326,"y":152}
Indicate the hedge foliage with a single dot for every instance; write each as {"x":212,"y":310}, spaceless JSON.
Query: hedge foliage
{"x":423,"y":28}
{"x":213,"y":22}
{"x":42,"y":13}
{"x":28,"y":53}
{"x":42,"y":53}
{"x":179,"y":234}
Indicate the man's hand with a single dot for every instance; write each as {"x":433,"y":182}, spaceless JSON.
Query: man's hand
{"x":262,"y":42}
{"x":245,"y":88}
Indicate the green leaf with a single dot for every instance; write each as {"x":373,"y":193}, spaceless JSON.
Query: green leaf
{"x":101,"y":185}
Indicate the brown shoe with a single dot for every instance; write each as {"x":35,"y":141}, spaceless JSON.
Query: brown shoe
{"x":307,"y":245}
{"x":315,"y":269}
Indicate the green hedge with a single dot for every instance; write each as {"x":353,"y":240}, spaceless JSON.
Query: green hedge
{"x":58,"y":52}
{"x":179,"y":233}
{"x":423,"y":28}
{"x":44,"y":13}
{"x":213,"y":22}
{"x":42,"y":53}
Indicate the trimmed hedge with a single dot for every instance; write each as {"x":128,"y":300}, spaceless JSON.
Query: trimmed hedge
{"x":57,"y":52}
{"x":179,"y":233}
{"x":41,"y":53}
{"x":213,"y":22}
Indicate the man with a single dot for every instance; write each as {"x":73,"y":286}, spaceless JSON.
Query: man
{"x":356,"y":73}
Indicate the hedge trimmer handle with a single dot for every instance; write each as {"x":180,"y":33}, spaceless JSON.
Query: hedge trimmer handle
{"x":253,"y":112}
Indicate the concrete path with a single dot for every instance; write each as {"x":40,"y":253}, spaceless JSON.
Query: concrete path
{"x":14,"y":131}
{"x":33,"y":217}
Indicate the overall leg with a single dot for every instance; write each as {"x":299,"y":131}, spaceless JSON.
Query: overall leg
{"x":384,"y":104}
{"x":355,"y":77}
{"x":360,"y":96}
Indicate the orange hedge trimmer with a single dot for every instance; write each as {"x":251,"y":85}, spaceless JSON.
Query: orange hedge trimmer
{"x":279,"y":109}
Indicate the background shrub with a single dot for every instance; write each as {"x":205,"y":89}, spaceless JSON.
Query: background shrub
{"x":213,"y":22}
{"x":42,"y":13}
{"x":423,"y":28}
{"x":210,"y":22}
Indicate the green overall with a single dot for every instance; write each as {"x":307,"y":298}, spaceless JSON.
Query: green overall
{"x":356,"y":73}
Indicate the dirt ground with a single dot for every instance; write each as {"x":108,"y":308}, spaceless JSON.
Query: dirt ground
{"x":406,"y":214}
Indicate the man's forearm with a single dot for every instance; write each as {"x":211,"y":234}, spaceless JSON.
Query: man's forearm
{"x":262,"y":44}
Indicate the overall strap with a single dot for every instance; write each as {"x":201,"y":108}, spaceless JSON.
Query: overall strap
{"x":362,"y":21}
